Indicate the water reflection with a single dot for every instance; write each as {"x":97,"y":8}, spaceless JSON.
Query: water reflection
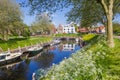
{"x":45,"y":59}
{"x":23,"y":70}
{"x":13,"y":73}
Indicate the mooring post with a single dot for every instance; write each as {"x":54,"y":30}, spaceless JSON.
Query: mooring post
{"x":30,"y":43}
{"x":37,"y":45}
{"x":1,"y":50}
{"x":25,"y":47}
{"x":19,"y":49}
{"x":8,"y":50}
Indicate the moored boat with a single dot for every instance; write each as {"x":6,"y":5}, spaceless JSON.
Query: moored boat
{"x":55,"y":42}
{"x":31,"y":52}
{"x":7,"y":57}
{"x":35,"y":51}
{"x":35,"y":48}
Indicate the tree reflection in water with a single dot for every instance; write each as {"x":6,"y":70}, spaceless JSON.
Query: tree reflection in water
{"x":14,"y":73}
{"x":45,"y":59}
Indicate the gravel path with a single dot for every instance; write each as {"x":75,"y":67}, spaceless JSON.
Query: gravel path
{"x":117,"y":37}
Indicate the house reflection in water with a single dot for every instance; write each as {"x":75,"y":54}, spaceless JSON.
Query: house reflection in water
{"x":68,"y":47}
{"x":64,"y":47}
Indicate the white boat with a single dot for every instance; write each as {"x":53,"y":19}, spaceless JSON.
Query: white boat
{"x":8,"y":57}
{"x":77,"y":40}
{"x":35,"y":48}
{"x":55,"y":42}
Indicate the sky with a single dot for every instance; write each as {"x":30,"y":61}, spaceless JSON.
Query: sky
{"x":57,"y":17}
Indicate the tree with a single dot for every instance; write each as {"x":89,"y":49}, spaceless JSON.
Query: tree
{"x":88,"y":13}
{"x":9,"y":13}
{"x":42,"y":24}
{"x":52,"y":28}
{"x":20,"y":29}
{"x":109,"y":7}
{"x":116,"y":28}
{"x":97,"y":11}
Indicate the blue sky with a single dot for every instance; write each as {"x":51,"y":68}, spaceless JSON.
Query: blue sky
{"x":58,"y":17}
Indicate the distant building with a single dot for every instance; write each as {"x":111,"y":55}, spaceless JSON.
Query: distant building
{"x":60,"y":29}
{"x":69,"y":28}
{"x":83,"y":30}
{"x":100,"y":29}
{"x":52,"y":29}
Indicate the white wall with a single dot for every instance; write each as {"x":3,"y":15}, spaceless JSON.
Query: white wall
{"x":69,"y":29}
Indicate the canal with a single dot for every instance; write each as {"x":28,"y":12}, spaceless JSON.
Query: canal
{"x":23,"y":70}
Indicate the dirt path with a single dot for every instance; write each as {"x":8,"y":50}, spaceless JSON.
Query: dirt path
{"x":117,"y":37}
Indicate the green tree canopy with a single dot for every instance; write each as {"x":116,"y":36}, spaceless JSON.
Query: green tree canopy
{"x":10,"y":19}
{"x":9,"y":13}
{"x":42,"y":24}
{"x":116,"y":28}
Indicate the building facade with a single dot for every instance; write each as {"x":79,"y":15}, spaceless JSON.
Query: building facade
{"x":60,"y":29}
{"x":69,"y":29}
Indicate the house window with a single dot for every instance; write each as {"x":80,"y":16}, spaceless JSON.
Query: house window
{"x":71,"y":31}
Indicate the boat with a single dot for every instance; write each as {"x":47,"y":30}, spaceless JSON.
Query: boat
{"x":35,"y":51}
{"x":7,"y":57}
{"x":77,"y":40}
{"x":55,"y":42}
{"x":30,"y":52}
{"x":35,"y":48}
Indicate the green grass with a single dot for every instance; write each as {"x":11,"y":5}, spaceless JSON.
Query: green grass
{"x":22,"y":42}
{"x":110,"y":64}
{"x":67,"y":35}
{"x":114,"y":60}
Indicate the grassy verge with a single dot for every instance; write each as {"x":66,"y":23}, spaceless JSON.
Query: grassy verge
{"x":94,"y":62}
{"x":67,"y":35}
{"x":22,"y":42}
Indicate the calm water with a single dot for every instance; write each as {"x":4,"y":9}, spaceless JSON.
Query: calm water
{"x":23,"y":70}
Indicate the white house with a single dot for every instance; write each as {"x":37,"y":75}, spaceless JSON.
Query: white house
{"x":69,"y":28}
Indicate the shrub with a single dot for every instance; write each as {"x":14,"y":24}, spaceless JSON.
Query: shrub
{"x":88,"y":37}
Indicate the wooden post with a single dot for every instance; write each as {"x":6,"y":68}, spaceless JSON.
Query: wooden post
{"x":25,"y":46}
{"x":1,"y":50}
{"x":19,"y":48}
{"x":31,"y":43}
{"x":8,"y":50}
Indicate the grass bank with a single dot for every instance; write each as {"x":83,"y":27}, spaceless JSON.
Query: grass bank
{"x":22,"y":42}
{"x":67,"y":35}
{"x":94,"y":62}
